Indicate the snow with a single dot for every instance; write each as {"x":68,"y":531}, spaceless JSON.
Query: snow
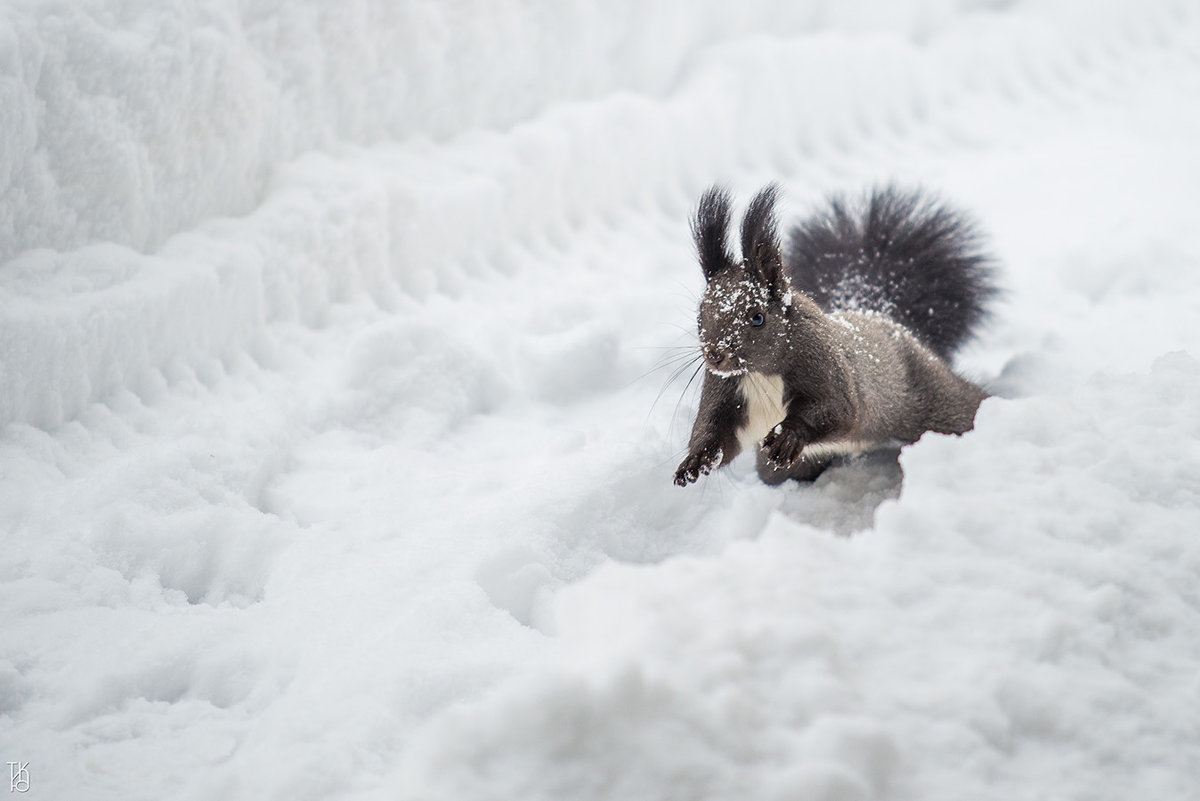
{"x":331,"y":464}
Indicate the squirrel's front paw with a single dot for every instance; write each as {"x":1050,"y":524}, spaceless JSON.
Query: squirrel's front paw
{"x":698,"y":463}
{"x":782,"y":446}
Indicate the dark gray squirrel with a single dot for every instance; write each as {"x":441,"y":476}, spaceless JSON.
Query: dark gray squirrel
{"x":843,"y":346}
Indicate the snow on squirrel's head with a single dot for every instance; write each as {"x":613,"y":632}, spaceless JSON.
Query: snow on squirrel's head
{"x":748,"y":304}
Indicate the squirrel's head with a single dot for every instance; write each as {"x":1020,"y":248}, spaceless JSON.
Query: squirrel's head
{"x":748,"y":304}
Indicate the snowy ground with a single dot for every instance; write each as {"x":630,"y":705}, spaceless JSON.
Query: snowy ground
{"x":331,"y":463}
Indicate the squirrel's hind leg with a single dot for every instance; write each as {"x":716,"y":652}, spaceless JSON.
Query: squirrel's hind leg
{"x":806,"y":468}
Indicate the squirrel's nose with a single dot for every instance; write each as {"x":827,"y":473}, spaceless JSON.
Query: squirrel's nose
{"x":713,"y":355}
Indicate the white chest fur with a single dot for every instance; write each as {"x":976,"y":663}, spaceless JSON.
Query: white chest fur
{"x":763,"y":398}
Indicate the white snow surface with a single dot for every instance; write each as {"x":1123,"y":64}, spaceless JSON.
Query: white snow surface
{"x":333,"y":462}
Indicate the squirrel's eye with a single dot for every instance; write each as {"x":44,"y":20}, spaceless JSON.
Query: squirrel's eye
{"x":757,"y":319}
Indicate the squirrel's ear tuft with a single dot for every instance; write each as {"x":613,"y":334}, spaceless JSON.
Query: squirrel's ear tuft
{"x":760,"y":238}
{"x":710,"y":230}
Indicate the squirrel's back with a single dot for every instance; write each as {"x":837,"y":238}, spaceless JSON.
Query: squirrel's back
{"x":901,"y":253}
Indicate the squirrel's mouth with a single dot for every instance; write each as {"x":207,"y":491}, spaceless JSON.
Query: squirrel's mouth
{"x":727,"y":373}
{"x":728,"y":367}
{"x":720,"y":362}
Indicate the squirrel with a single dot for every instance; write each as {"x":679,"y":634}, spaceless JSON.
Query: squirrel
{"x":843,"y":347}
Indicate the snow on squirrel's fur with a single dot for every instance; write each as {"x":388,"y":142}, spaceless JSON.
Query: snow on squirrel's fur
{"x":330,"y":470}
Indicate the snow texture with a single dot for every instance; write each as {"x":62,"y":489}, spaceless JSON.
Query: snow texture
{"x":333,"y":457}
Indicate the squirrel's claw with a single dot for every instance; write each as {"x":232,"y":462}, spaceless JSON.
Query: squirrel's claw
{"x":782,"y":446}
{"x":697,"y":464}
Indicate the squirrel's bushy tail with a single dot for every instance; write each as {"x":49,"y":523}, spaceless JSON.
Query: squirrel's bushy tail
{"x":901,"y":253}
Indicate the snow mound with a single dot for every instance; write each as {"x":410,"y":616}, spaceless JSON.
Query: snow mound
{"x":998,"y":633}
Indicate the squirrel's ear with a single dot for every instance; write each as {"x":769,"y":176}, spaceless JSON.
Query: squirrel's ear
{"x":710,"y":230}
{"x":760,"y":238}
